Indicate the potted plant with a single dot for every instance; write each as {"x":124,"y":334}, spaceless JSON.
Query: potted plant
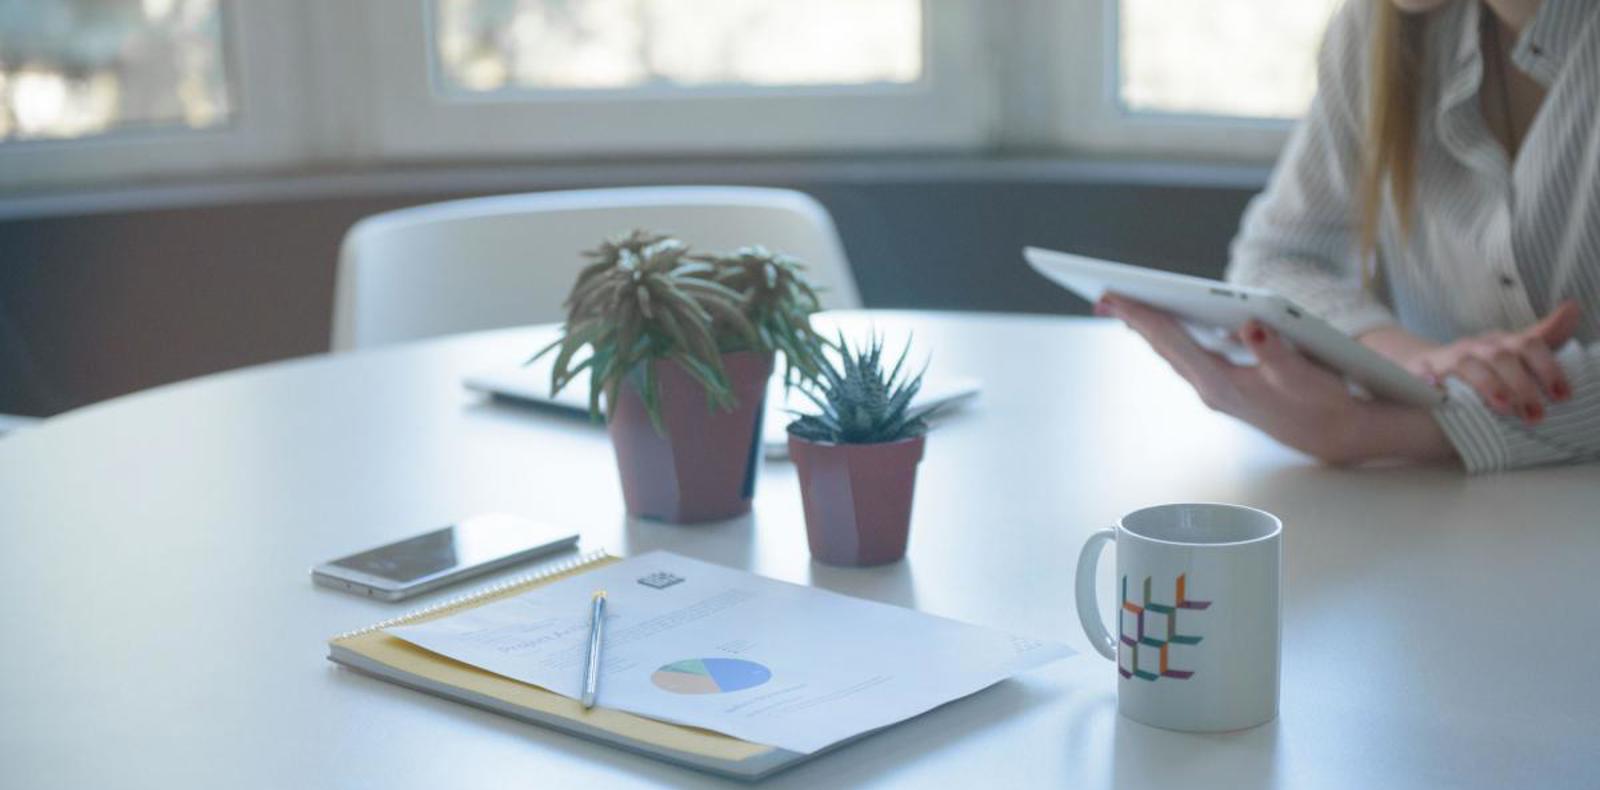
{"x":680,"y":348}
{"x":858,"y":457}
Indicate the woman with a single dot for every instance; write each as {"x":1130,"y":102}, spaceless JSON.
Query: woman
{"x":1440,"y":202}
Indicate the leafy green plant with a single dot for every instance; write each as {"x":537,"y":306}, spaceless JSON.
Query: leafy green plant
{"x":645,"y":298}
{"x":779,"y":301}
{"x":860,"y":403}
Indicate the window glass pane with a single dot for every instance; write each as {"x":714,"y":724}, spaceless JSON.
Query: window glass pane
{"x":1253,"y":58}
{"x":488,"y":45}
{"x":74,"y":68}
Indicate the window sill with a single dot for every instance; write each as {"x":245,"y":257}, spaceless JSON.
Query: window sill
{"x":480,"y":179}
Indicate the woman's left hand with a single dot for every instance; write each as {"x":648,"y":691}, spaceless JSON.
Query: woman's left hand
{"x":1286,"y":395}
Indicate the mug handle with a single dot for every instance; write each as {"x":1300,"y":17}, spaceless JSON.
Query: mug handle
{"x":1088,"y":603}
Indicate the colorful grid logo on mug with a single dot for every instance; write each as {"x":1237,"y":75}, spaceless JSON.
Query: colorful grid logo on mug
{"x":1155,"y":625}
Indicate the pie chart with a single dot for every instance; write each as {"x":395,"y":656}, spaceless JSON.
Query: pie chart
{"x":710,"y":676}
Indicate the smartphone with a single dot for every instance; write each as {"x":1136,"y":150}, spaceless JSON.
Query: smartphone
{"x":431,"y":560}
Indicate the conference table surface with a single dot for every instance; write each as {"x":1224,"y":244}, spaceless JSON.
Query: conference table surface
{"x":161,"y":628}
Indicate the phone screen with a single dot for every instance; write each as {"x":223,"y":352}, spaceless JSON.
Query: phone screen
{"x":473,"y":541}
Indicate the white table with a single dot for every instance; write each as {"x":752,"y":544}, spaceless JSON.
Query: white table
{"x":160,"y":629}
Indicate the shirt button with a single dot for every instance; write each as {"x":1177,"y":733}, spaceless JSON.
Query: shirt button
{"x":1508,"y":281}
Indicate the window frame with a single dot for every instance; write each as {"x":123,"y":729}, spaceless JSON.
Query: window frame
{"x":261,"y":131}
{"x":1098,"y":122}
{"x":948,"y":108}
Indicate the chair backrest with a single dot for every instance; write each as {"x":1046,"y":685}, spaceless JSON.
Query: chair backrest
{"x":492,"y":262}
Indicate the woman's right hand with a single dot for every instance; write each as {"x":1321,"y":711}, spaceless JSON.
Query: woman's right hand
{"x":1513,"y":372}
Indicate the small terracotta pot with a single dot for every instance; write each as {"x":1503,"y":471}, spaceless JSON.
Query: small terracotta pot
{"x":704,"y":467}
{"x":857,"y":498}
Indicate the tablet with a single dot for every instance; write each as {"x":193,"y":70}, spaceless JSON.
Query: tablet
{"x":1215,"y":310}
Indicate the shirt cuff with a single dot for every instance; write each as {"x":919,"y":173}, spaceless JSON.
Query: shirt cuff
{"x":1472,"y":429}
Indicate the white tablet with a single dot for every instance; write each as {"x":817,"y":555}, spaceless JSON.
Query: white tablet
{"x":1215,"y":310}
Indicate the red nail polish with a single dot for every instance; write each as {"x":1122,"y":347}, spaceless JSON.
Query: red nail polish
{"x":1533,"y":411}
{"x":1258,"y":335}
{"x":1560,"y":390}
{"x":1500,"y":399}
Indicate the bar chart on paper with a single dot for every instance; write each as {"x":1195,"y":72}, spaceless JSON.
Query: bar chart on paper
{"x":710,"y":676}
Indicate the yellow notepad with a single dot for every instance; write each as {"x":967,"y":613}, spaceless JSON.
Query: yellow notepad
{"x":376,"y":653}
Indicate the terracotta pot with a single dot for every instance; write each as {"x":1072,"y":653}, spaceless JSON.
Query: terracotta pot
{"x":857,"y":498}
{"x":703,"y":468}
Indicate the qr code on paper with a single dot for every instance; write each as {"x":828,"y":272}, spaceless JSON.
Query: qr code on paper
{"x":660,"y":580}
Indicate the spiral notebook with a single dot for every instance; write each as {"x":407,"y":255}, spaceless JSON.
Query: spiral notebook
{"x":373,"y":652}
{"x":711,"y":667}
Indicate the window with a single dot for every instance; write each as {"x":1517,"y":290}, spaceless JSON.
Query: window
{"x":1239,"y":58}
{"x":77,"y":68}
{"x":103,"y":90}
{"x":1209,"y":79}
{"x":487,"y":45}
{"x":589,"y":78}
{"x":98,"y":91}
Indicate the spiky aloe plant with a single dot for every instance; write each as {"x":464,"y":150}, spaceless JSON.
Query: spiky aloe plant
{"x":644,"y":299}
{"x":860,"y":403}
{"x":778,"y":301}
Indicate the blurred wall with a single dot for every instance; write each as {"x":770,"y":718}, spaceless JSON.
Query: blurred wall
{"x":104,"y":294}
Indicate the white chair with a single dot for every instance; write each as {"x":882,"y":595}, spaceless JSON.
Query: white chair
{"x":11,"y":422}
{"x":492,"y":262}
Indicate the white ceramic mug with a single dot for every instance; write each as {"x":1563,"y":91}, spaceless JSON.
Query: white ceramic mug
{"x":1196,"y":643}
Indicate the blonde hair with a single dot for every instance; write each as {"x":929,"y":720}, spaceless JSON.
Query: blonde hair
{"x":1393,"y":89}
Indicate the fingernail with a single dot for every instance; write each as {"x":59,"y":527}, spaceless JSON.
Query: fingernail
{"x":1101,"y":308}
{"x":1533,"y":411}
{"x":1258,"y":335}
{"x":1560,"y":390}
{"x":1501,"y":399}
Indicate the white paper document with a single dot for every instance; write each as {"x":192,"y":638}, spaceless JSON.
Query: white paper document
{"x":726,"y":650}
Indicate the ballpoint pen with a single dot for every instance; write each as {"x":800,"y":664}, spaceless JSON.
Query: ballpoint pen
{"x":591,"y":668}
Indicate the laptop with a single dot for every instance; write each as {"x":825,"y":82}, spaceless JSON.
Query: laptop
{"x":530,"y":385}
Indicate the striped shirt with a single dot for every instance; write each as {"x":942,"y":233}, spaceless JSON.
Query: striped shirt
{"x":1494,"y":244}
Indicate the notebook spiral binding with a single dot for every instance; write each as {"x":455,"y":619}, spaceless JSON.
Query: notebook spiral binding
{"x":543,"y":574}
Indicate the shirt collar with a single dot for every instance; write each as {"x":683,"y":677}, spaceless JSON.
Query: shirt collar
{"x":1468,"y":17}
{"x":1458,"y":120}
{"x":1458,"y":84}
{"x":1540,"y":50}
